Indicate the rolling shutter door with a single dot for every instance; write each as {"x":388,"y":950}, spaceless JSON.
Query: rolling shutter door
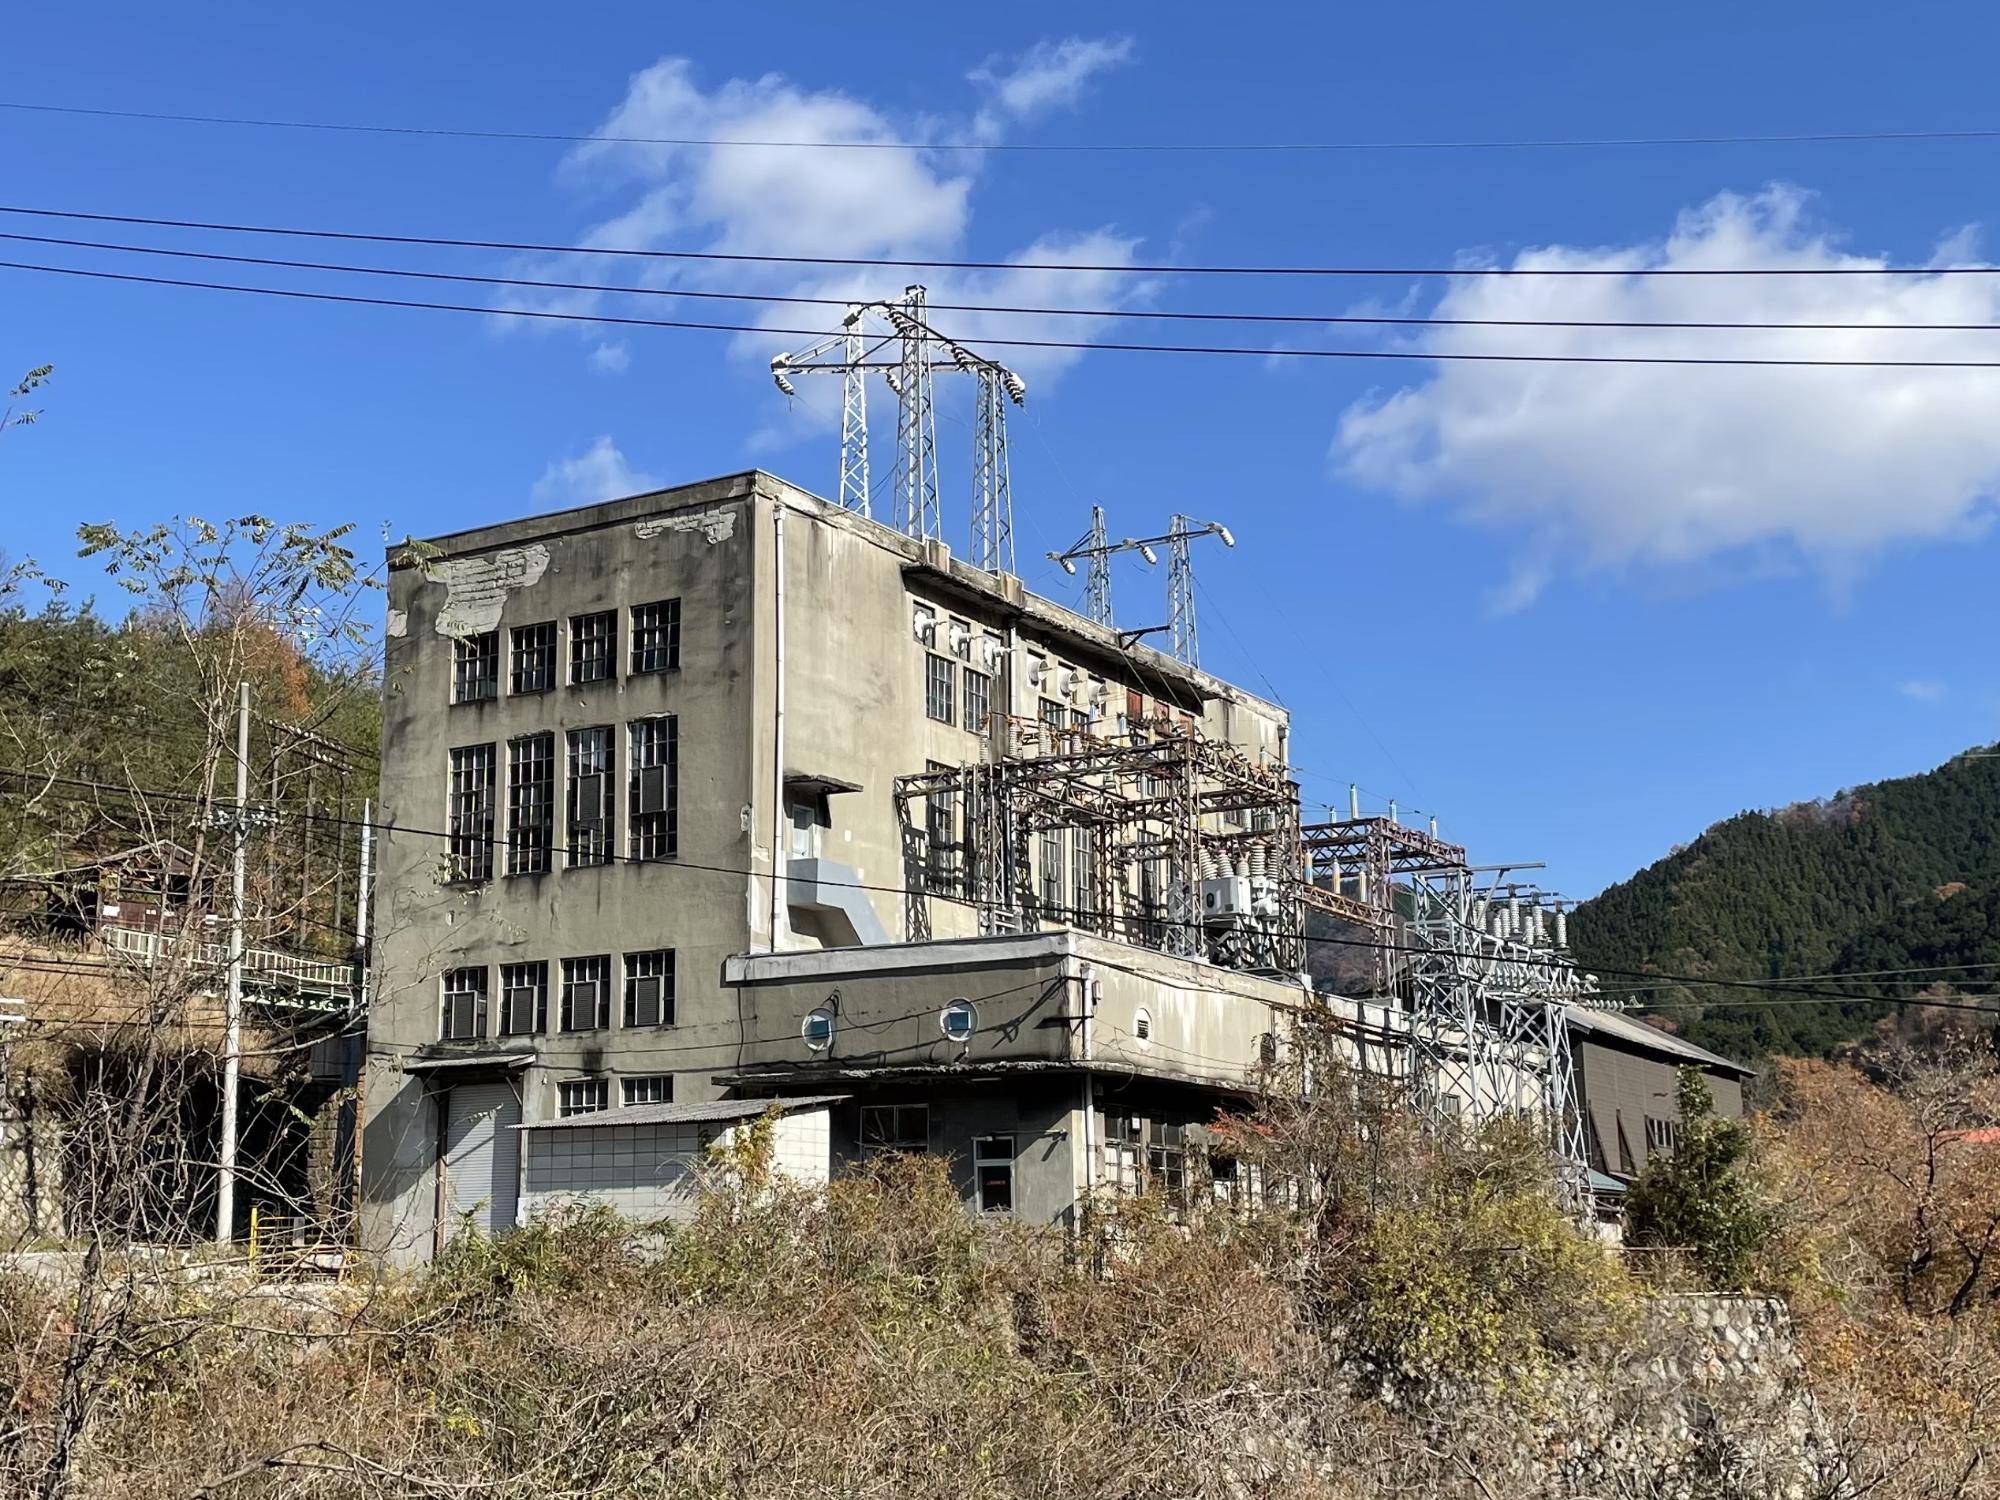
{"x":482,"y":1154}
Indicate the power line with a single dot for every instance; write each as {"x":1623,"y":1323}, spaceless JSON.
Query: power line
{"x":1420,"y":356}
{"x":1144,"y":315}
{"x":556,"y":137}
{"x":497,"y":843}
{"x":1123,"y":269}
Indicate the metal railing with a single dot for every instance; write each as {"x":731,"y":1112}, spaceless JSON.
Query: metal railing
{"x":292,"y":978}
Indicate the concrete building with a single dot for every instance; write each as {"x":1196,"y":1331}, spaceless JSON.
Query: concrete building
{"x":646,"y":848}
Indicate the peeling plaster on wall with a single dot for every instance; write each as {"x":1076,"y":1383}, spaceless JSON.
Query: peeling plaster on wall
{"x":399,"y":623}
{"x":714,"y":525}
{"x":477,"y":587}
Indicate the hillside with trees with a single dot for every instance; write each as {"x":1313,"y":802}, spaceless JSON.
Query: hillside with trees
{"x":1901,"y":875}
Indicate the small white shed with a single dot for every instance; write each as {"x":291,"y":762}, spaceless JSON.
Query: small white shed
{"x":644,"y":1159}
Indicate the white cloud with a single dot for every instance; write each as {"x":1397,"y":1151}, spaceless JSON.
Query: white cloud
{"x":611,"y":359}
{"x":874,"y":204}
{"x":1049,"y":75}
{"x":599,"y":473}
{"x":1594,"y":467}
{"x":1921,"y":690}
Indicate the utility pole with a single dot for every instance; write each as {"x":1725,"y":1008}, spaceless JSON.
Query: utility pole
{"x":232,"y":1016}
{"x":1180,"y":582}
{"x":1097,"y":549}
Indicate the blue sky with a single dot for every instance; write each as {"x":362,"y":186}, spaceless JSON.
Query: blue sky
{"x":1578,"y":614}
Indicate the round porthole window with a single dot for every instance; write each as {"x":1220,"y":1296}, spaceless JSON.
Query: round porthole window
{"x":1142,"y":1025}
{"x":818,"y":1029}
{"x":959,"y":1020}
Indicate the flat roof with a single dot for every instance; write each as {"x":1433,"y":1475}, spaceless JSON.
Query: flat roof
{"x":934,"y":561}
{"x":711,"y":1112}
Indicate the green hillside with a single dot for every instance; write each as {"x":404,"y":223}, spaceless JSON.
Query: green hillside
{"x":1888,"y":876}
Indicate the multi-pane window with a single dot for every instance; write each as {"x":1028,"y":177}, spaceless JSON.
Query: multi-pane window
{"x":464,"y":1015}
{"x":1081,"y":906}
{"x":978,"y":700}
{"x":993,"y":1169}
{"x":1166,"y":1163}
{"x":1051,"y":872}
{"x":895,"y":1127}
{"x":593,"y":646}
{"x":582,"y":1096}
{"x":649,"y":988}
{"x":649,"y":1088}
{"x":533,"y":669}
{"x":475,"y":667}
{"x":1662,"y":1134}
{"x":655,"y":788}
{"x":590,"y":796}
{"x":656,"y":636}
{"x":941,"y":864}
{"x":470,"y":839}
{"x":586,"y":993}
{"x":938,"y":674}
{"x":531,"y":803}
{"x":524,"y":999}
{"x":1124,"y":1151}
{"x":1055,"y":718}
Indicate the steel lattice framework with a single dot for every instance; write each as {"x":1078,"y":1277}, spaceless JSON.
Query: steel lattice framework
{"x":1486,"y":990}
{"x":908,"y":352}
{"x":1154,"y":814}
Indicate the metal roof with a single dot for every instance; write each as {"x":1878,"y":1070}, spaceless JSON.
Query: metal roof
{"x":1616,"y":1026}
{"x":711,"y":1112}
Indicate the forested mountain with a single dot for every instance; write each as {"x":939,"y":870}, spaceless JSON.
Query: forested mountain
{"x":1893,"y":876}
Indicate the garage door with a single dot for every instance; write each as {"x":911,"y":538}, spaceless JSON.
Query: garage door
{"x":482,"y":1154}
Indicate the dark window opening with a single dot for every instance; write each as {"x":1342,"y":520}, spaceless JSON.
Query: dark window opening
{"x":940,"y":674}
{"x":534,"y":666}
{"x":650,"y":1088}
{"x":656,"y":636}
{"x":475,"y":667}
{"x":655,"y":788}
{"x":464,"y":1016}
{"x":471,"y":814}
{"x":649,"y":988}
{"x":582,"y":1096}
{"x":978,"y":700}
{"x":895,"y":1127}
{"x":593,"y":646}
{"x":586,"y":993}
{"x":590,"y":796}
{"x":993,"y":1169}
{"x":524,"y":999}
{"x":531,"y":803}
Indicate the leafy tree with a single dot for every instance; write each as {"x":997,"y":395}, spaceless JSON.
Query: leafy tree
{"x":29,"y":383}
{"x":1698,"y":1198}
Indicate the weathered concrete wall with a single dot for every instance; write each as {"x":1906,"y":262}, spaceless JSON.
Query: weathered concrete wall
{"x":853,"y":675}
{"x":651,"y":1172}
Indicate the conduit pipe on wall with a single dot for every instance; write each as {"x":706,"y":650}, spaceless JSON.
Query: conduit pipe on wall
{"x":778,"y":840}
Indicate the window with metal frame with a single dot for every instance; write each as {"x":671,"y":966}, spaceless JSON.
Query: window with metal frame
{"x":1081,"y":905}
{"x":1662,"y":1134}
{"x":464,"y":1016}
{"x":590,"y":796}
{"x":1054,"y":717}
{"x":586,"y":993}
{"x":648,"y":1088}
{"x":533,"y":669}
{"x":1051,"y":873}
{"x":1124,"y":1147}
{"x":895,"y":1127}
{"x":470,"y":842}
{"x":593,"y":646}
{"x":978,"y":700}
{"x":940,"y":673}
{"x":993,"y":1171}
{"x":531,"y":803}
{"x":656,"y":636}
{"x":582,"y":1096}
{"x":655,"y":788}
{"x":475,"y":667}
{"x":649,"y":988}
{"x":941,"y":863}
{"x":1166,"y":1163}
{"x":524,"y":999}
